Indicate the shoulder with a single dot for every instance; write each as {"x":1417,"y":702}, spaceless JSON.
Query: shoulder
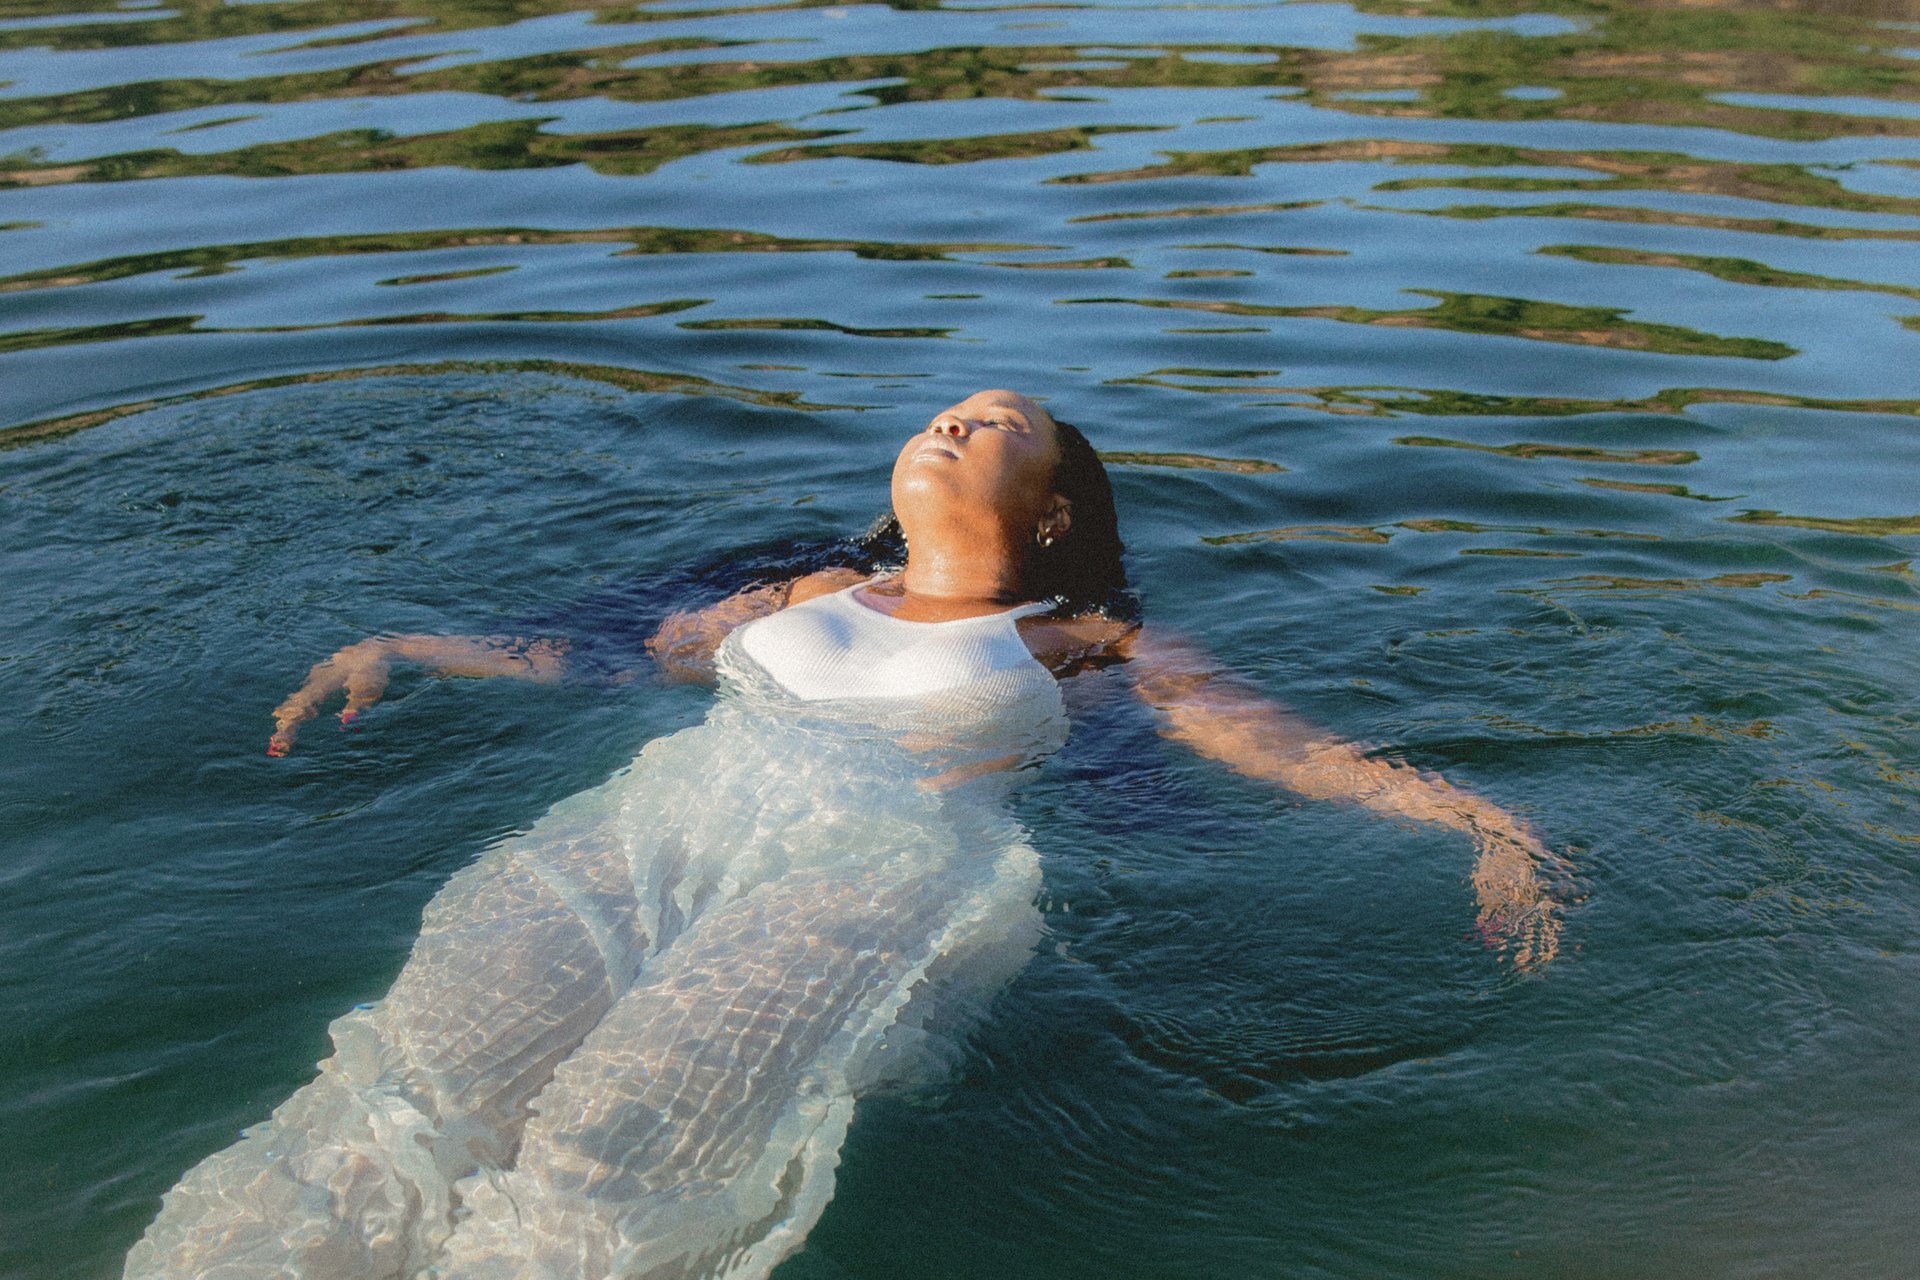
{"x":825,"y":582}
{"x":1068,"y":643}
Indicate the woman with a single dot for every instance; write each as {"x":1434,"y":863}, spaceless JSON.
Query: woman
{"x":628,"y":1042}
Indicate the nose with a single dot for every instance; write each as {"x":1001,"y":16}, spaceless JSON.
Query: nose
{"x":949,"y":425}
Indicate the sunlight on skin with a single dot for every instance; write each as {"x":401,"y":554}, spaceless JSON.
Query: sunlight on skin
{"x":1220,"y":717}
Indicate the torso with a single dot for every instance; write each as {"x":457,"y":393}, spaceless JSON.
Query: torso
{"x":1062,"y":645}
{"x":839,"y":645}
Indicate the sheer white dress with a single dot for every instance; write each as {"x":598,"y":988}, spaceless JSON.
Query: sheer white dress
{"x":628,"y":1042}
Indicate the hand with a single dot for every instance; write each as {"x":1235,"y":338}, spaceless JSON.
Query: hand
{"x":360,"y":670}
{"x":1516,"y":908}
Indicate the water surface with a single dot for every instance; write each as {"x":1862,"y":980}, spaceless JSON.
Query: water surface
{"x":1524,"y":386}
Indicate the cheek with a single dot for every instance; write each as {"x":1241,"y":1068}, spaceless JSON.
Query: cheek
{"x":1011,"y":482}
{"x":1029,"y":469}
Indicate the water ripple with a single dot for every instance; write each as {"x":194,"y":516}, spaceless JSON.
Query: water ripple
{"x":1524,"y":388}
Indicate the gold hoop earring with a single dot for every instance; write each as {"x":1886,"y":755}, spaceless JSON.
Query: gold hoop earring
{"x":1042,"y":537}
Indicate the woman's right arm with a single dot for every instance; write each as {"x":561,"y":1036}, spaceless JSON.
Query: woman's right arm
{"x":683,"y":647}
{"x":360,"y":671}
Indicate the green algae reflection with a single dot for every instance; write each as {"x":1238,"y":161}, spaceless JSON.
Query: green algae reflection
{"x":1662,"y":490}
{"x":1568,"y":452}
{"x":512,"y":144}
{"x":636,"y":241}
{"x":1732,"y":270}
{"x":999,"y":146}
{"x":175,"y":326}
{"x":1614,"y":171}
{"x":803,"y":324}
{"x":1385,"y":402}
{"x":1189,"y":462}
{"x":1863,"y":526}
{"x":633,"y":380}
{"x":1657,"y":217}
{"x":1500,"y":317}
{"x":1622,"y":61}
{"x":1380,"y":535}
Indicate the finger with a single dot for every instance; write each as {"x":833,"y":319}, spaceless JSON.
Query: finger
{"x":1540,"y":941}
{"x":1516,"y":912}
{"x":300,"y":706}
{"x":365,"y":684}
{"x":287,"y":720}
{"x":1530,"y":930}
{"x":1557,"y":869}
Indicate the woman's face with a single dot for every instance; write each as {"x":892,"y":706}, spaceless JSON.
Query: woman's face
{"x":989,"y":458}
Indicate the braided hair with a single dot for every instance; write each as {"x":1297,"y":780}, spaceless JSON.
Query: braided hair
{"x":1081,"y":570}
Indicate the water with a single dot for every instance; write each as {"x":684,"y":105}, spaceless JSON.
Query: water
{"x":1526,"y":388}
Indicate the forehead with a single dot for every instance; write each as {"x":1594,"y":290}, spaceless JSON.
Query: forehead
{"x":980,"y":401}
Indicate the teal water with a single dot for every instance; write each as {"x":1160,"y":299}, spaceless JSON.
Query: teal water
{"x":1526,"y":388}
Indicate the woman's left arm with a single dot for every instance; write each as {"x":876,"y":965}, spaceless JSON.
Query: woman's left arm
{"x":1222,"y":717}
{"x":684,"y":645}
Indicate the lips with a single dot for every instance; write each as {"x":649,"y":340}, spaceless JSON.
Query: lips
{"x":936,"y":446}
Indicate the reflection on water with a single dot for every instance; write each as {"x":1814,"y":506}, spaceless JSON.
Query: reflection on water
{"x":1871,"y":527}
{"x":1510,"y":317}
{"x":214,"y":259}
{"x":630,"y":379}
{"x":1578,"y":453}
{"x":1524,"y":386}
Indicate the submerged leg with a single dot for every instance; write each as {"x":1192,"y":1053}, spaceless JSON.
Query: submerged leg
{"x":696,"y":1131}
{"x":518,"y":957}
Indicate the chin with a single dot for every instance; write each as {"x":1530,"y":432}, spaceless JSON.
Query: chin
{"x":923,"y":477}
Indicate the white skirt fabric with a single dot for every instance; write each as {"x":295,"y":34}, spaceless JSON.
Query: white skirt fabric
{"x":628,"y":1042}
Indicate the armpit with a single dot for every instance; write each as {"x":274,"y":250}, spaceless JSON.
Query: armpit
{"x":1068,"y":646}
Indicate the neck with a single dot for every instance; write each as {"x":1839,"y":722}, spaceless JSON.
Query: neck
{"x":960,"y":575}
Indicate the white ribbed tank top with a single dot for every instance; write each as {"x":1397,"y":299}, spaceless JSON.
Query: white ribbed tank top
{"x":832,"y":647}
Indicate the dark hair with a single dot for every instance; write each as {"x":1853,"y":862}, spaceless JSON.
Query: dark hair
{"x":1081,"y":572}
